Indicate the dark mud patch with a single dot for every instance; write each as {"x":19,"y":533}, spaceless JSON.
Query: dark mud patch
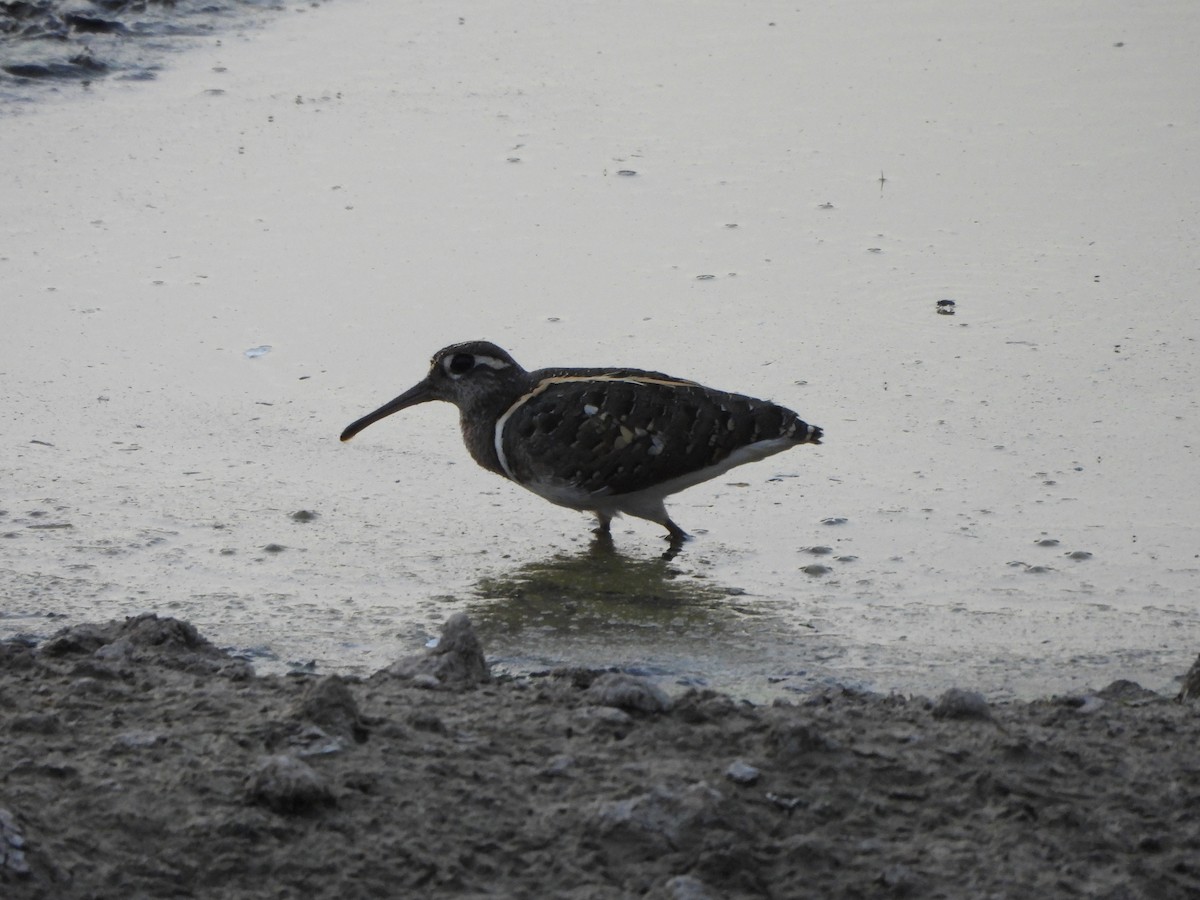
{"x":47,"y":43}
{"x":139,"y":760}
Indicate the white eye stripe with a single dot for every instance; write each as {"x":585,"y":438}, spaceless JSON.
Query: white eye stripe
{"x":491,"y":362}
{"x":477,"y":360}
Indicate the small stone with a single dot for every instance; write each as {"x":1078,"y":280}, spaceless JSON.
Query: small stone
{"x":312,"y":740}
{"x":629,"y":692}
{"x":1085,"y":703}
{"x":787,"y":804}
{"x":1129,"y":693}
{"x":662,"y":820}
{"x":329,"y":704}
{"x":287,"y":785}
{"x":456,"y":662}
{"x":688,"y":887}
{"x":12,"y":846}
{"x":740,"y":772}
{"x":559,"y":766}
{"x":139,"y":740}
{"x":959,"y":704}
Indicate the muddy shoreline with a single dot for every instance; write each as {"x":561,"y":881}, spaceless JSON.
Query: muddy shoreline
{"x":54,"y":42}
{"x":140,"y":760}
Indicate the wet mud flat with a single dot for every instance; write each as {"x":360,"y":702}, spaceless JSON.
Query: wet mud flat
{"x":139,"y":760}
{"x":51,"y":42}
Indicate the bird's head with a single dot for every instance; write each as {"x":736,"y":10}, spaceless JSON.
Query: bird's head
{"x":470,"y":375}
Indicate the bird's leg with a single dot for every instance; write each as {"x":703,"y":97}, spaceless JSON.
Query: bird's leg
{"x":602,"y":545}
{"x":603,"y":523}
{"x":676,"y":535}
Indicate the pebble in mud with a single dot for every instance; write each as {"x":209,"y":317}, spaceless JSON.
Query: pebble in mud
{"x":456,"y":662}
{"x":740,"y":772}
{"x":602,"y":720}
{"x":959,"y":704}
{"x":12,"y":846}
{"x":559,"y":766}
{"x":167,"y":641}
{"x":661,"y":820}
{"x":329,"y":704}
{"x":287,"y":785}
{"x":628,"y":692}
{"x":1030,"y":569}
{"x":688,"y":887}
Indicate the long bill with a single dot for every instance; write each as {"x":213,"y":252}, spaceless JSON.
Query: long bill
{"x":420,"y":393}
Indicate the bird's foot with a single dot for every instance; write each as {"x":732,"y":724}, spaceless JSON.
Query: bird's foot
{"x":675,"y":534}
{"x":602,"y":542}
{"x":677,"y":538}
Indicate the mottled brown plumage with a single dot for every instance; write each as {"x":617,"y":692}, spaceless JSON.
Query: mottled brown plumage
{"x":608,"y":441}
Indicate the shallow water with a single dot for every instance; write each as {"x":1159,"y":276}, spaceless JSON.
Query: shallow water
{"x":1005,"y":499}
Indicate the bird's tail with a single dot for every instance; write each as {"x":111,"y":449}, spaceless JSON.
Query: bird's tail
{"x":805,"y":433}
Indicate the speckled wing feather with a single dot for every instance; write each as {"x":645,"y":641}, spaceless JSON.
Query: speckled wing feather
{"x":618,"y":431}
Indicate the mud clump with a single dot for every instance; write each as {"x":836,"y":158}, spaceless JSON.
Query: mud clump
{"x":60,"y":40}
{"x":144,"y":639}
{"x":629,"y":692}
{"x":287,"y":785}
{"x":139,"y":760}
{"x":456,"y":662}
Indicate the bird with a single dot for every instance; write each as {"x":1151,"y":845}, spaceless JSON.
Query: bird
{"x":608,"y":441}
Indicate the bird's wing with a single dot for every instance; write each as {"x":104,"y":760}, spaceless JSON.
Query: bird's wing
{"x":622,"y":431}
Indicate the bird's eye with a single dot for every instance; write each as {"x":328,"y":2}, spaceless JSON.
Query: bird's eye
{"x":460,"y":363}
